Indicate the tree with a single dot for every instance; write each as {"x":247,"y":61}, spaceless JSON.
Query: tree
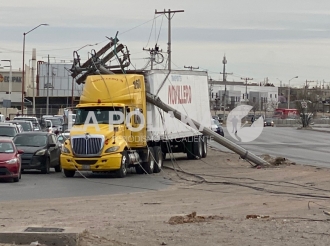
{"x":308,"y":103}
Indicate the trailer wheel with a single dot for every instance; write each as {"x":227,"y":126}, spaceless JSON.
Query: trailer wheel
{"x":204,"y":143}
{"x":158,"y":154}
{"x":198,"y":147}
{"x":122,"y":172}
{"x":149,"y":165}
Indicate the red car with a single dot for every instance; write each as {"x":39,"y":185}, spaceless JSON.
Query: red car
{"x":10,"y":160}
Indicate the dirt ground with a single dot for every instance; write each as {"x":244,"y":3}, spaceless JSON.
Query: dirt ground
{"x":225,"y":202}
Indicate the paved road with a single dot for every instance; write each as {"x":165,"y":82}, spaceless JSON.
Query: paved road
{"x":34,"y":185}
{"x":300,"y":146}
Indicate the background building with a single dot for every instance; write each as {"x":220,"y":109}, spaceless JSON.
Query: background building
{"x":38,"y":81}
{"x":232,"y":94}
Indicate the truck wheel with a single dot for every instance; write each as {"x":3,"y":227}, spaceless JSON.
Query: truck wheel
{"x":122,"y":172}
{"x":158,"y":154}
{"x":138,"y":169}
{"x":150,"y":164}
{"x":198,"y":147}
{"x":190,"y":150}
{"x":69,"y":173}
{"x":204,"y":144}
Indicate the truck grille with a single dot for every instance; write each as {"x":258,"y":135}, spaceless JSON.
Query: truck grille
{"x":86,"y":146}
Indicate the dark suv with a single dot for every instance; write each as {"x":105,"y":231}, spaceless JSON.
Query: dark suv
{"x":41,"y":151}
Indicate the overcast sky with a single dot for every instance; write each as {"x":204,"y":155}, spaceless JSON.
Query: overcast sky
{"x":275,"y":39}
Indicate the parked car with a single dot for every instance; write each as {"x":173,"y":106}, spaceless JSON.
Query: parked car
{"x":61,"y":117}
{"x":26,"y":125}
{"x":10,"y":160}
{"x":34,"y":120}
{"x":216,"y":126}
{"x":56,"y":124}
{"x":10,"y":130}
{"x":41,"y":151}
{"x":268,"y":122}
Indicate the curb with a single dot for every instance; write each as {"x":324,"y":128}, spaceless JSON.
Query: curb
{"x":20,"y":235}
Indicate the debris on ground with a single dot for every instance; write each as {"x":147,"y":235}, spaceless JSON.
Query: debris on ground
{"x":191,"y":218}
{"x":326,"y":212}
{"x":254,"y":216}
{"x":276,"y":161}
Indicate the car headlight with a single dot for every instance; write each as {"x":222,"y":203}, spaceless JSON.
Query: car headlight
{"x":12,"y":161}
{"x":41,"y":152}
{"x":112,"y":149}
{"x":65,"y":150}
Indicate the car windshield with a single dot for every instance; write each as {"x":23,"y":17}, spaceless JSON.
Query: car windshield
{"x":55,"y":121}
{"x":30,"y":140}
{"x":8,"y":131}
{"x":26,"y":126}
{"x":268,"y":120}
{"x":101,"y":115}
{"x":6,"y":148}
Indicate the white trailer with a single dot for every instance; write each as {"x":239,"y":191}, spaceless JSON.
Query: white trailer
{"x":186,"y":92}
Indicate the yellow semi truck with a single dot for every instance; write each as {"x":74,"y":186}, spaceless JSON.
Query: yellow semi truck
{"x":116,"y":128}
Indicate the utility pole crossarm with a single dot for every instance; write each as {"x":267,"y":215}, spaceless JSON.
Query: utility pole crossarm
{"x":168,"y":11}
{"x":227,"y":73}
{"x":191,"y":67}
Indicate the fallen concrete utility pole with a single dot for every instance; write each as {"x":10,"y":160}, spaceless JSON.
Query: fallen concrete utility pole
{"x":208,"y":132}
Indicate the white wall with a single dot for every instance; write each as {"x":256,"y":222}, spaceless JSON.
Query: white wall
{"x":271,"y":91}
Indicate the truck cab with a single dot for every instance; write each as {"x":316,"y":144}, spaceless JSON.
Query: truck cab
{"x":109,"y":131}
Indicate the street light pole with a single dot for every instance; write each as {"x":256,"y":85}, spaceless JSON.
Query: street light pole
{"x":289,"y":91}
{"x":10,"y":78}
{"x":280,"y":81}
{"x":23,"y":74}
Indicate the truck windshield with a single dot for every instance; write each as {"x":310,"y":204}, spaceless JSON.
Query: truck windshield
{"x":100,"y":114}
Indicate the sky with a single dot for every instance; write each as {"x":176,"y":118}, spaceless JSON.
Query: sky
{"x":278,"y":40}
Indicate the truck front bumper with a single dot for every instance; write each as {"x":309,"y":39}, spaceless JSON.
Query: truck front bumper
{"x":102,"y":164}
